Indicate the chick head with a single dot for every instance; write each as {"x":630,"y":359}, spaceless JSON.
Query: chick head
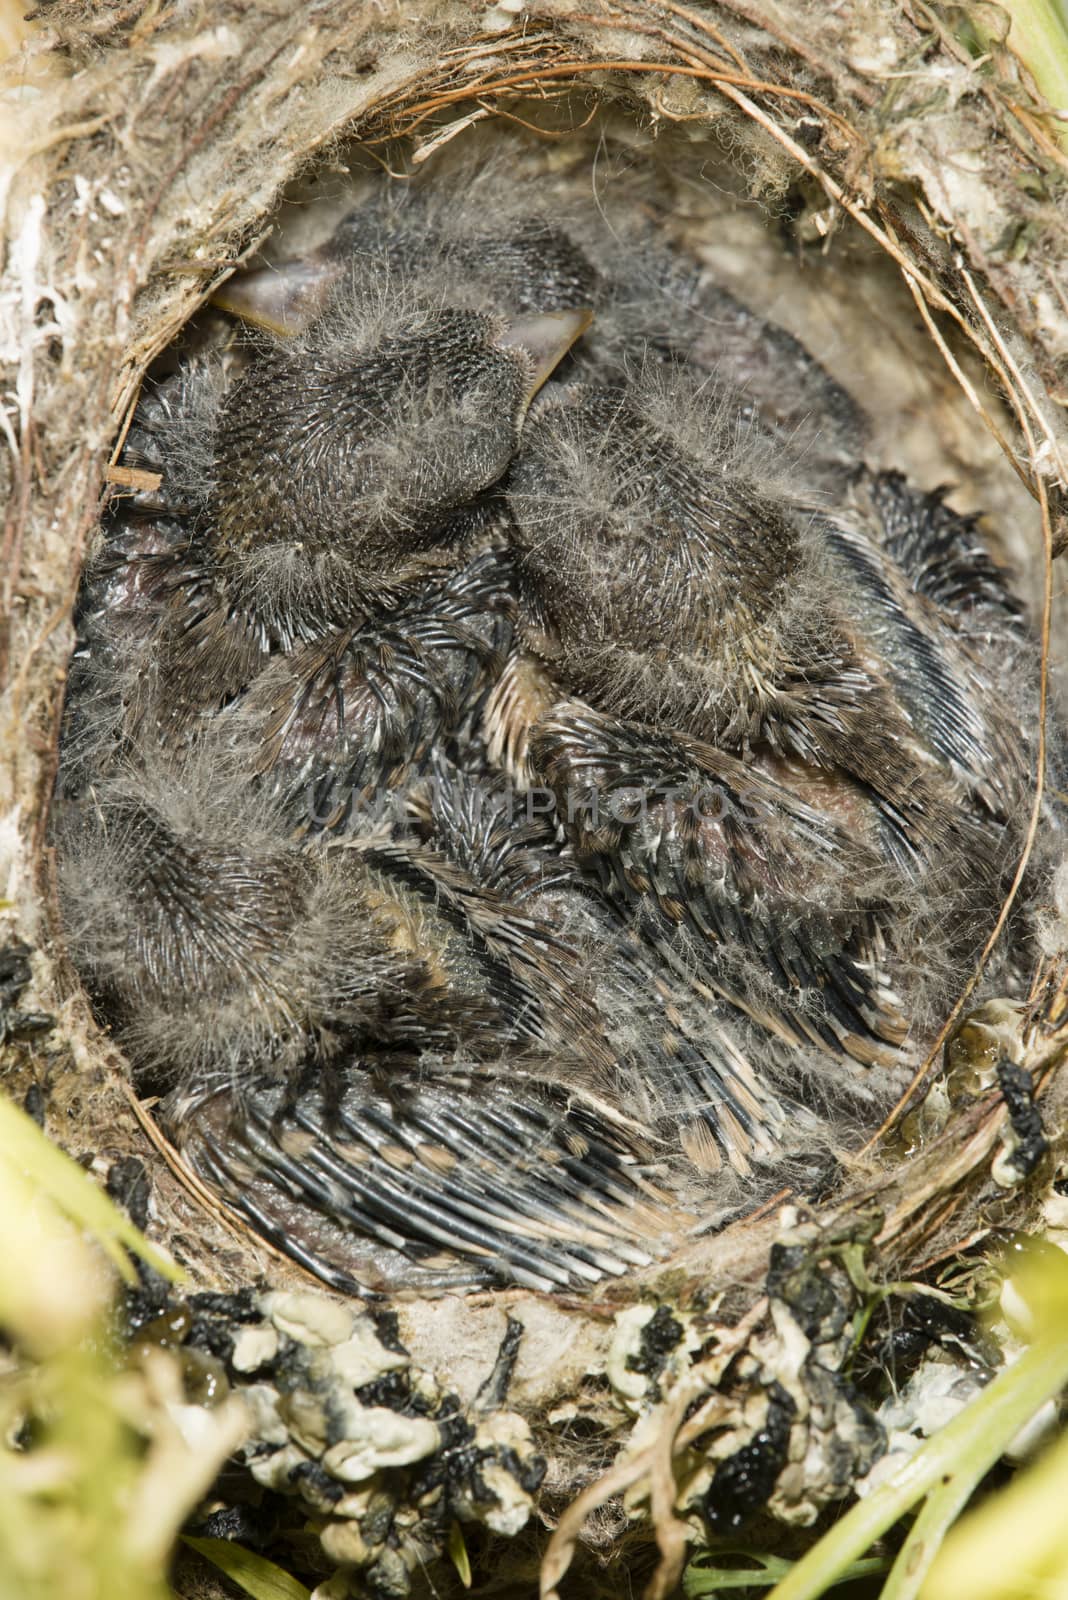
{"x":341,"y":458}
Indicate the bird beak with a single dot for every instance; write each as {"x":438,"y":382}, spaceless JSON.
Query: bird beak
{"x":283,"y":299}
{"x":546,"y":336}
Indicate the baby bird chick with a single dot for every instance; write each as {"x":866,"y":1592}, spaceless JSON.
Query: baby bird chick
{"x":770,"y":749}
{"x":338,"y":465}
{"x":209,"y":941}
{"x":309,"y":516}
{"x":333,"y":1026}
{"x":328,"y":1027}
{"x":340,"y":460}
{"x":526,"y":1162}
{"x":662,"y":580}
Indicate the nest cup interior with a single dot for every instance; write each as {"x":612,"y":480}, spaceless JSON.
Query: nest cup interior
{"x":789,"y":261}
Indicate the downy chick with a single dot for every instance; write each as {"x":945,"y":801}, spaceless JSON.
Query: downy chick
{"x":320,"y":507}
{"x":504,"y":1153}
{"x":340,"y":464}
{"x":662,"y":578}
{"x":774,"y":751}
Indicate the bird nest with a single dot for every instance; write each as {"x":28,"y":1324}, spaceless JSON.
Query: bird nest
{"x":915,"y":176}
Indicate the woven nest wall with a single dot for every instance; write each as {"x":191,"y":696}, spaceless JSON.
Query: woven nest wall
{"x":149,"y":149}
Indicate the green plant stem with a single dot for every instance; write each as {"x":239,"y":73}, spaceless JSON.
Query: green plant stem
{"x":708,"y":1579}
{"x":953,"y":1461}
{"x":940,"y":1510}
{"x":1038,"y":38}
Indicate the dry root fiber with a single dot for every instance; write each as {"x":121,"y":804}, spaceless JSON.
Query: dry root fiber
{"x":146,"y":150}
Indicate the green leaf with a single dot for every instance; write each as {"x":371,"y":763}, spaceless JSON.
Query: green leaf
{"x":1039,"y":38}
{"x":458,"y":1554}
{"x":260,"y":1578}
{"x":1026,"y":1518}
{"x":29,"y":1152}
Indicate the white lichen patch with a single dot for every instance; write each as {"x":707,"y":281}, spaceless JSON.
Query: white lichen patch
{"x":253,"y":1348}
{"x":376,"y":1438}
{"x":363,"y":1357}
{"x":641,"y":1362}
{"x":309,"y":1318}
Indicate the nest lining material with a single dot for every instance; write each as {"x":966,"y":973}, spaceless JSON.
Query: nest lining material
{"x":119,"y":221}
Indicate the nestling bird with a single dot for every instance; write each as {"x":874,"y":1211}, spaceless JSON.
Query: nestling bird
{"x":812,"y":767}
{"x":335,"y":474}
{"x":664,"y":579}
{"x":511,"y":759}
